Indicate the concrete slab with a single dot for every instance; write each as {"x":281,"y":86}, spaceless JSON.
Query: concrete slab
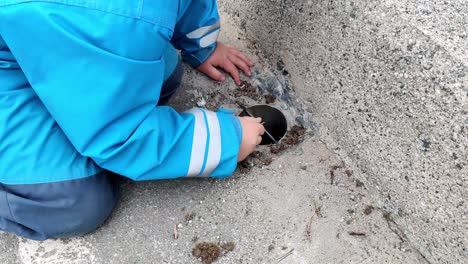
{"x":291,"y":205}
{"x":386,"y":83}
{"x":288,"y":205}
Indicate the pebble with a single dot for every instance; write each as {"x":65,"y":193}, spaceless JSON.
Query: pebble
{"x":201,"y":102}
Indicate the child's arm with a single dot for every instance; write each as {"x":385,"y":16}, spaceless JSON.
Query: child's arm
{"x":196,"y":34}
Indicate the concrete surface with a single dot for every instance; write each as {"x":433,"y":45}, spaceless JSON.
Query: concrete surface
{"x":290,"y":204}
{"x":386,"y":83}
{"x":381,"y":86}
{"x":265,"y":213}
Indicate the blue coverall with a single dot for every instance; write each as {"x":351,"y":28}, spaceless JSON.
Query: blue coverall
{"x":82,"y":88}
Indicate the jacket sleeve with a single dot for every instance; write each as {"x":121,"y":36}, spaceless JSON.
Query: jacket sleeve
{"x":105,"y":103}
{"x":197,"y":30}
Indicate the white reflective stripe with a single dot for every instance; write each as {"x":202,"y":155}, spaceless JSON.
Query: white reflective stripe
{"x":214,"y":150}
{"x":209,"y":39}
{"x":199,"y":143}
{"x":200,"y":32}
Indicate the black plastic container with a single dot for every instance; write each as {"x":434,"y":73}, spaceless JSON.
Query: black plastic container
{"x":274,"y":121}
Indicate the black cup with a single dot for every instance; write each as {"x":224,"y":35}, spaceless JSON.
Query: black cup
{"x":274,"y":121}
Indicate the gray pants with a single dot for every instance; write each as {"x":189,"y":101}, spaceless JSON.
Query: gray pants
{"x":66,"y":208}
{"x":58,"y":209}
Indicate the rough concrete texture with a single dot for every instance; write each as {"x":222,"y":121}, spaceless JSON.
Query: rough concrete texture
{"x":381,"y":86}
{"x":289,"y":205}
{"x":386,"y":84}
{"x":307,"y":206}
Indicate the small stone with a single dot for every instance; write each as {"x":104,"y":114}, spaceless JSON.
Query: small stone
{"x":201,"y":102}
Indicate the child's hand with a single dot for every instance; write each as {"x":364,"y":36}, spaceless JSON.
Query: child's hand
{"x":252,"y":131}
{"x":229,"y":59}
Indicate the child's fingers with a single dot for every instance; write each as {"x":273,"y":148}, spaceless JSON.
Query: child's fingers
{"x":259,"y":140}
{"x":240,"y":64}
{"x":212,"y":72}
{"x":253,"y":119}
{"x":261,"y":130}
{"x":245,"y":59}
{"x":232,"y":70}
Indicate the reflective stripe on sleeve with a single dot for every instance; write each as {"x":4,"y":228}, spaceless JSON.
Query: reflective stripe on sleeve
{"x":209,"y":39}
{"x":206,"y":146}
{"x":214,"y":149}
{"x":200,"y":135}
{"x":200,"y":32}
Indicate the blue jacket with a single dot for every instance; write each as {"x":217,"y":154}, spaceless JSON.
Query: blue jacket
{"x":79,"y":83}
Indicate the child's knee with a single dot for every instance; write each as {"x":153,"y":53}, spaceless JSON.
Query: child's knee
{"x":61,"y":209}
{"x":77,"y":220}
{"x":84,"y":216}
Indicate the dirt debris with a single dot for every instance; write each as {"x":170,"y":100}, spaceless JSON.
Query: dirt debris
{"x":261,"y":158}
{"x":270,"y":248}
{"x":293,"y":137}
{"x":207,"y":252}
{"x":244,"y":166}
{"x":332,"y":177}
{"x":368,"y":210}
{"x":335,"y":167}
{"x":248,"y":90}
{"x":352,"y":233}
{"x":359,"y":183}
{"x":228,"y":246}
{"x":318,"y":210}
{"x":308,"y":229}
{"x":332,"y":173}
{"x":189,"y":216}
{"x":256,"y":159}
{"x":269,"y":98}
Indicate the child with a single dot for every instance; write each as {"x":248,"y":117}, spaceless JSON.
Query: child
{"x":82,"y":91}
